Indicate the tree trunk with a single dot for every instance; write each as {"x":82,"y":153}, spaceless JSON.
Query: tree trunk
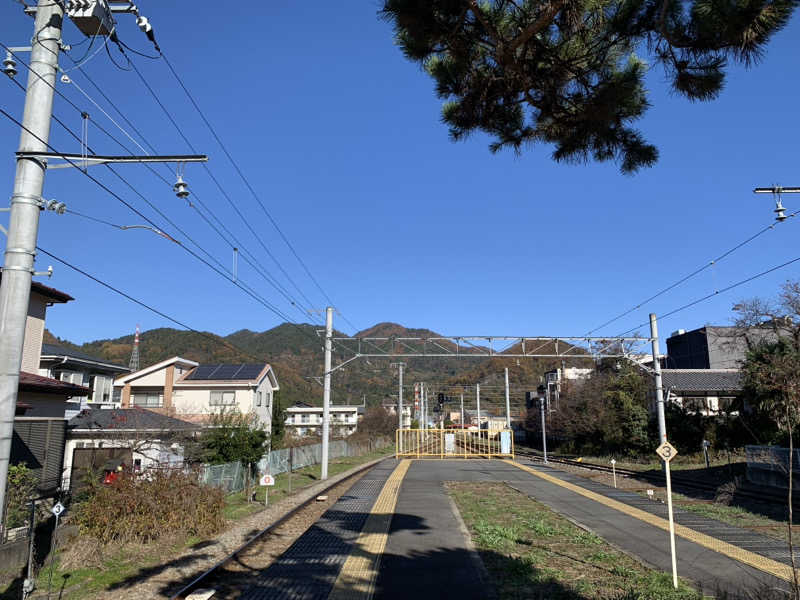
{"x":795,"y":583}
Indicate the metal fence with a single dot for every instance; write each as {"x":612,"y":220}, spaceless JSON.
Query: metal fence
{"x":231,"y":477}
{"x":769,"y":465}
{"x":455,"y":443}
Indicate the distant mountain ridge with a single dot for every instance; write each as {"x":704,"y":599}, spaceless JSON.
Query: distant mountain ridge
{"x":296,"y":354}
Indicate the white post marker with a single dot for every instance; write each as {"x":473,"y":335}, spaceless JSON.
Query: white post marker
{"x":267,"y":480}
{"x":614,"y":471}
{"x":667,"y":452}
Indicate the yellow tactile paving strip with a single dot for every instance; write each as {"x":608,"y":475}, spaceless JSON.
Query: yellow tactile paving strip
{"x":744,"y":556}
{"x":357,"y":578}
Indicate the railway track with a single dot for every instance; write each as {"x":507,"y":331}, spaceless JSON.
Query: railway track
{"x":218,"y":576}
{"x":678,"y":480}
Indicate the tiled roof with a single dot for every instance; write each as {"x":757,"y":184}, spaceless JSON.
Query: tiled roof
{"x":701,"y":380}
{"x":48,"y":292}
{"x":126,"y":418}
{"x":28,"y":382}
{"x":54,"y":350}
{"x":51,"y":293}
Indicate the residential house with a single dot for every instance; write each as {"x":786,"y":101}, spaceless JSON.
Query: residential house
{"x":139,"y":438}
{"x":40,"y":395}
{"x":194,"y":392}
{"x":73,"y":366}
{"x":43,"y":403}
{"x":390,"y":406}
{"x":705,"y":391}
{"x":303,"y":419}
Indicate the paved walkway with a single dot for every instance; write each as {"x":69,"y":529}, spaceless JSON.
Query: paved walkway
{"x":396,"y":534}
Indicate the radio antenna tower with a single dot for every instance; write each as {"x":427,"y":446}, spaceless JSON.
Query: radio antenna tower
{"x":134,"y":363}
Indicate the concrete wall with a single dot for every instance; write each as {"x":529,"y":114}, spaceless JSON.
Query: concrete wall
{"x":14,"y":555}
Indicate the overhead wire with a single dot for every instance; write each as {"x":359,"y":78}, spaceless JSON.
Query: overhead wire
{"x":216,"y":181}
{"x":716,"y":293}
{"x":249,"y":186}
{"x":143,"y":304}
{"x":259,"y":269}
{"x":220,"y":272}
{"x":690,"y":275}
{"x":144,"y":81}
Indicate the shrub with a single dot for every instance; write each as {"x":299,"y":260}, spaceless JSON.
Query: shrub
{"x":143,"y":509}
{"x":21,"y":488}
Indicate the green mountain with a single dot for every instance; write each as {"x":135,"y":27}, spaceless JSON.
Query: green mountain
{"x":296,"y":354}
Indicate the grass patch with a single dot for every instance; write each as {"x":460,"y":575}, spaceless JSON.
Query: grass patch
{"x":532,"y":552}
{"x":237,"y":507}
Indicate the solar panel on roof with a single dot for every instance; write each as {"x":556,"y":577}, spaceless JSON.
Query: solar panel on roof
{"x":225,"y":371}
{"x":203,"y":372}
{"x":249,"y":371}
{"x":219,"y":372}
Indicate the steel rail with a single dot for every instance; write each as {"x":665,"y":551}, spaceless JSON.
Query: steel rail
{"x":761,"y":496}
{"x":193,"y":585}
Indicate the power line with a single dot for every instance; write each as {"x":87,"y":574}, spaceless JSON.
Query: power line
{"x":143,"y":304}
{"x":259,"y":269}
{"x":690,"y":275}
{"x":214,"y":178}
{"x":716,"y":293}
{"x":249,"y":186}
{"x":222,"y":272}
{"x":236,"y":244}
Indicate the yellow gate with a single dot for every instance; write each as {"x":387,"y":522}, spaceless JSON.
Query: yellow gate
{"x":454,"y":443}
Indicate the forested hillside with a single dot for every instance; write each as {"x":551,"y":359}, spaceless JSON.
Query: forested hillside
{"x":295,"y":352}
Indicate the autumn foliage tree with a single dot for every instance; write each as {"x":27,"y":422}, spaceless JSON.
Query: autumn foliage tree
{"x":771,"y":372}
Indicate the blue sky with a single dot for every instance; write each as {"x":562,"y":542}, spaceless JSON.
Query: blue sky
{"x":340,"y":135}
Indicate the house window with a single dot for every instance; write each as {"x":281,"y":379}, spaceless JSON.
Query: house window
{"x":101,"y":388}
{"x":258,"y":398}
{"x":117,"y":395}
{"x":304,"y":418}
{"x":147,"y":399}
{"x":74,"y":377}
{"x":221,"y":398}
{"x":726,"y":402}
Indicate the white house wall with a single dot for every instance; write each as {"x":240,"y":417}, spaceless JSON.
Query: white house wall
{"x":155,"y":379}
{"x":34,"y":332}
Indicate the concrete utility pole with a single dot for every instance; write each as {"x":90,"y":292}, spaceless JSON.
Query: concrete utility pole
{"x":425,"y":406}
{"x":23,"y":228}
{"x":399,"y":366}
{"x":326,"y":393}
{"x":478,"y":402}
{"x":508,"y":404}
{"x":662,"y":424}
{"x":421,"y":424}
{"x":462,"y":412}
{"x":544,"y":431}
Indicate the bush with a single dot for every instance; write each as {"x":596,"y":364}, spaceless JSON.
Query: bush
{"x":21,"y":488}
{"x":143,"y":509}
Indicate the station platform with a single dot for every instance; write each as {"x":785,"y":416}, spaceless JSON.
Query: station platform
{"x":396,"y":534}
